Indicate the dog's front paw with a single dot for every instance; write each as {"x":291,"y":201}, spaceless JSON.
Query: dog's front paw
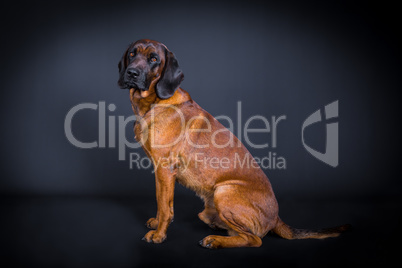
{"x":152,"y":223}
{"x":154,"y":237}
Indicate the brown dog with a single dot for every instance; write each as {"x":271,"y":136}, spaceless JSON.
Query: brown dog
{"x":189,"y":145}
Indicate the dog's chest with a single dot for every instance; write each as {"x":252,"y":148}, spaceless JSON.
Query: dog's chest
{"x":137,"y":131}
{"x":141,"y":130}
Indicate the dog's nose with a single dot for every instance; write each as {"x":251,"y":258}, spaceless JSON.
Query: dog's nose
{"x":133,"y":72}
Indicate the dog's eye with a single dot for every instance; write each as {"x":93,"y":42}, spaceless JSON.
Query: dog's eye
{"x":153,"y":59}
{"x":132,"y":54}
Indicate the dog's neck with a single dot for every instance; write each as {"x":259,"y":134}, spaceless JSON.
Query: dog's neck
{"x":142,"y":105}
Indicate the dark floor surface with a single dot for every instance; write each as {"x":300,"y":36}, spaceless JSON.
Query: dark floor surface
{"x":107,"y":232}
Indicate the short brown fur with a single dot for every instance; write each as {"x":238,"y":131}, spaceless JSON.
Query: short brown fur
{"x":239,"y":199}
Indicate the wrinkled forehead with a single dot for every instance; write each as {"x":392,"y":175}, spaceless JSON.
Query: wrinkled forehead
{"x":148,"y":47}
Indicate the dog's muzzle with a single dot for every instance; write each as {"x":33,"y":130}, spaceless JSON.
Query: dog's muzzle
{"x":135,"y":78}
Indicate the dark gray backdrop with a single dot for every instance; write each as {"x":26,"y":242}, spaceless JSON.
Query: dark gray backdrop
{"x":277,"y":59}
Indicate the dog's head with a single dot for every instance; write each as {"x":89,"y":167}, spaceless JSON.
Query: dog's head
{"x":148,"y":66}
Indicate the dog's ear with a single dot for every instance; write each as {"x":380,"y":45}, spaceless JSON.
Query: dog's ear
{"x":171,"y":77}
{"x":122,"y":68}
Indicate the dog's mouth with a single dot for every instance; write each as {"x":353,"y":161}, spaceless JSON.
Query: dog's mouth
{"x":136,"y":85}
{"x":139,"y":88}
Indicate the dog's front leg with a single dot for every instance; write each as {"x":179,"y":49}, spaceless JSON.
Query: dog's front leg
{"x":165,"y":181}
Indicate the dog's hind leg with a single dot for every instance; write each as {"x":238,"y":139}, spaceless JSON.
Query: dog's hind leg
{"x":238,"y":235}
{"x":244,"y":214}
{"x":210,"y":215}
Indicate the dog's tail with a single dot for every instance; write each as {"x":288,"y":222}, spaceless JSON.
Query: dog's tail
{"x":287,"y":232}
